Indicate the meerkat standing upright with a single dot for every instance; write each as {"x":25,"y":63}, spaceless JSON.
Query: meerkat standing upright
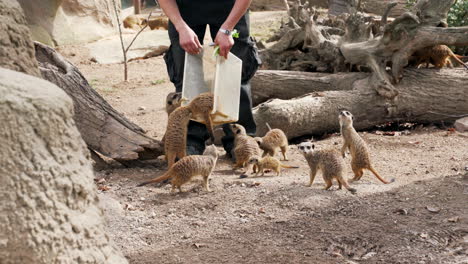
{"x":357,"y":147}
{"x":175,"y":140}
{"x":202,"y":106}
{"x":188,"y":167}
{"x":329,"y":162}
{"x":245,"y":147}
{"x":273,"y":139}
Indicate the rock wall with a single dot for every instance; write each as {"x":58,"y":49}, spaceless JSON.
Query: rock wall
{"x":16,"y":46}
{"x":49,"y":206}
{"x":61,"y":22}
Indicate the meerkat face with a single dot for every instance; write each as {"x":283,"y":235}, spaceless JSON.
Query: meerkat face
{"x":173,"y":98}
{"x":253,"y":160}
{"x":306,"y":147}
{"x":238,"y":129}
{"x":345,"y":117}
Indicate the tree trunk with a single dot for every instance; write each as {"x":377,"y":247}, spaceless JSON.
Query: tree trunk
{"x":101,"y":126}
{"x":49,"y":204}
{"x":355,"y":40}
{"x":425,"y":95}
{"x":289,"y":84}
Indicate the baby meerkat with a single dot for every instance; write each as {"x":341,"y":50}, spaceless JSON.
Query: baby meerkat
{"x":329,"y":162}
{"x":245,"y":147}
{"x":360,"y":159}
{"x":188,"y":167}
{"x":175,"y":140}
{"x":268,"y":163}
{"x":273,"y":139}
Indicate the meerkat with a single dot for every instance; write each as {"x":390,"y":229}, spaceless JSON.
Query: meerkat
{"x":173,"y":100}
{"x":134,"y":22}
{"x":245,"y":147}
{"x":273,"y":139}
{"x":268,"y":162}
{"x":158,"y":23}
{"x":329,"y":162}
{"x":175,"y":140}
{"x":360,"y":158}
{"x":439,"y":55}
{"x":202,"y":106}
{"x":188,"y":167}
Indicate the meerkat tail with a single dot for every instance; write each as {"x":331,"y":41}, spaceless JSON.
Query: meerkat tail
{"x":161,"y":178}
{"x":379,"y":177}
{"x":458,"y":60}
{"x":289,"y":167}
{"x":268,"y":126}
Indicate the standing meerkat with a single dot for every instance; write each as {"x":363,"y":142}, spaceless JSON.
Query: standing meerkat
{"x":202,"y":106}
{"x":245,"y":147}
{"x":268,"y":163}
{"x":273,"y":139}
{"x":357,"y":147}
{"x":173,"y":101}
{"x":329,"y":162}
{"x":175,"y":140}
{"x":188,"y":167}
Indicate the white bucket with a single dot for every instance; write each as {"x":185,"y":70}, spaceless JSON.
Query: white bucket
{"x":206,"y":72}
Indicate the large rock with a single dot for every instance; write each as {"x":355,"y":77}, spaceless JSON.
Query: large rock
{"x":49,"y":205}
{"x":461,"y":124}
{"x":109,"y":50}
{"x":60,"y":22}
{"x":16,"y":46}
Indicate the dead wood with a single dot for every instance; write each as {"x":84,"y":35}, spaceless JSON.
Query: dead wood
{"x":425,"y":95}
{"x":103,"y":129}
{"x":367,"y":42}
{"x":290,"y":84}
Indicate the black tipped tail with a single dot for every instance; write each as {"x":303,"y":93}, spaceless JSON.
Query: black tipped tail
{"x":143,"y":184}
{"x":352,"y":190}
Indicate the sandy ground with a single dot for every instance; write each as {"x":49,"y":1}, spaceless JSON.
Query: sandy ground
{"x":420,"y":218}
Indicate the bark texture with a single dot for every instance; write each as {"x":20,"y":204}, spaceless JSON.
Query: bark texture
{"x":289,"y":84}
{"x":102,"y":127}
{"x":49,"y":211}
{"x":424,"y":96}
{"x":359,"y":42}
{"x":17,"y":50}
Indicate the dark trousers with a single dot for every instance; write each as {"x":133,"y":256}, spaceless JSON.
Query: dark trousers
{"x":244,"y":48}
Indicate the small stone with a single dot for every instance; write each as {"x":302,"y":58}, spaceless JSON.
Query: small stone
{"x":454,"y":219}
{"x":433,"y":209}
{"x":142,"y":198}
{"x":141,"y":108}
{"x":461,"y":125}
{"x":369,"y":255}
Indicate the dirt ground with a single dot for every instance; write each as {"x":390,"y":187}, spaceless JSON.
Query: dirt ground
{"x":420,"y":218}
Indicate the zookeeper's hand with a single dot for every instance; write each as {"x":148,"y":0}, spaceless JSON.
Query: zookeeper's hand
{"x":189,"y":41}
{"x":225,"y":43}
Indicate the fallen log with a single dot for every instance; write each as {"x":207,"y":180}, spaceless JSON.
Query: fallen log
{"x":425,"y":96}
{"x":103,"y":129}
{"x":289,"y":84}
